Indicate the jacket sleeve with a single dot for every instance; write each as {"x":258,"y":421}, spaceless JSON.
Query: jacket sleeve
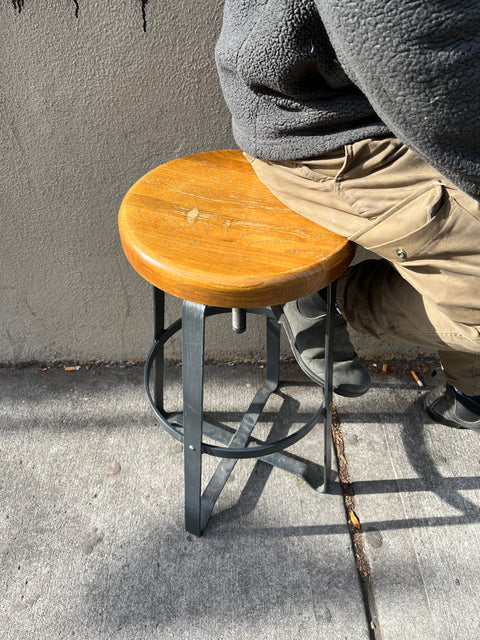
{"x":418,"y":63}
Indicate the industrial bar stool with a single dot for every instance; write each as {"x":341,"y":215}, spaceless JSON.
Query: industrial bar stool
{"x":204,"y":229}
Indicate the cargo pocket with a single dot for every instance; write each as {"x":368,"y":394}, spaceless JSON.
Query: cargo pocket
{"x":405,"y":231}
{"x":433,"y":242}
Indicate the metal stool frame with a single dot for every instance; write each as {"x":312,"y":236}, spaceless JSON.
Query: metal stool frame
{"x":189,"y":426}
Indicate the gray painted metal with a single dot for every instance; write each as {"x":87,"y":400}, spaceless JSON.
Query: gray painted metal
{"x":328,"y":389}
{"x":189,"y":426}
{"x":239,"y":319}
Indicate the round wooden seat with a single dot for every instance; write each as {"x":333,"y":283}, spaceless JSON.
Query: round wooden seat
{"x":205,"y":229}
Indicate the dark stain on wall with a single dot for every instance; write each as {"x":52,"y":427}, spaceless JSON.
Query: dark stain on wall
{"x":18,"y":6}
{"x":144,"y":14}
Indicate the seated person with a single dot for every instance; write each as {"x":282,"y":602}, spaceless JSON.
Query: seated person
{"x":364,"y":117}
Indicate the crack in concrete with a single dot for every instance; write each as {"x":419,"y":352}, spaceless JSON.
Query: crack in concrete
{"x":356,"y":535}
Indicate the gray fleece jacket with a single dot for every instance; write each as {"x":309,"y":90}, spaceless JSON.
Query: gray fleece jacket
{"x":302,"y":77}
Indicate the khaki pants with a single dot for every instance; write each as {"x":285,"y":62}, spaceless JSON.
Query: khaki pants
{"x":426,"y":288}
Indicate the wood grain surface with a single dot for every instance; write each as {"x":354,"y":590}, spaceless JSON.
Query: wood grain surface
{"x":204,"y":228}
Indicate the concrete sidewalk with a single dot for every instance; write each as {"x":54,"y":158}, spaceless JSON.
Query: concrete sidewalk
{"x":91,"y":517}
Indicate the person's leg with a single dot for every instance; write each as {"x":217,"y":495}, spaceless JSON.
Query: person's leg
{"x":311,"y":192}
{"x":388,"y":200}
{"x":317,"y":189}
{"x":375,"y":299}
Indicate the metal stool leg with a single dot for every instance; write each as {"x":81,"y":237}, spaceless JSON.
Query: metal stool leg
{"x":158,"y":331}
{"x":328,"y":389}
{"x":193,"y":339}
{"x":188,"y":426}
{"x":273,"y":354}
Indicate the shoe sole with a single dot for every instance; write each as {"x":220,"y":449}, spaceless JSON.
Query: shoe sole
{"x":436,"y":417}
{"x":281,"y":319}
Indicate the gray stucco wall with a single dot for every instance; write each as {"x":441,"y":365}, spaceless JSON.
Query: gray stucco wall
{"x":87,"y":106}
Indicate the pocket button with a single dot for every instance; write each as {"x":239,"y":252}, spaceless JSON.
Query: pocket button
{"x":401,"y":253}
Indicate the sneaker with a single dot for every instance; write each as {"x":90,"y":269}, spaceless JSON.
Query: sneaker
{"x":445,"y":406}
{"x":306,"y":336}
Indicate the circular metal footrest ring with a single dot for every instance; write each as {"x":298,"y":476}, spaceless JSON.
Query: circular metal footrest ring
{"x":250,"y":451}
